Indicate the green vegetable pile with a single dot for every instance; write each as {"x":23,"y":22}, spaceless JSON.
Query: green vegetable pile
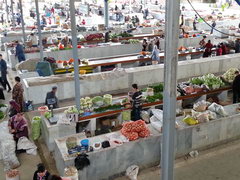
{"x":157,"y":88}
{"x":133,"y":41}
{"x":1,"y":115}
{"x":210,"y":80}
{"x":155,"y":97}
{"x":230,"y":75}
{"x":109,"y":107}
{"x":36,"y":127}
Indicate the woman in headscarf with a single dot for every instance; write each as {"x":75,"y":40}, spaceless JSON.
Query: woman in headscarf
{"x":14,"y":108}
{"x":155,"y":55}
{"x":17,"y":93}
{"x":18,"y":126}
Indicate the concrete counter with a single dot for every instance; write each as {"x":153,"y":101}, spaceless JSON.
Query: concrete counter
{"x":109,"y":162}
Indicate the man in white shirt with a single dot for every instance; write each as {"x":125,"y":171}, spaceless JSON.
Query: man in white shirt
{"x":33,"y":39}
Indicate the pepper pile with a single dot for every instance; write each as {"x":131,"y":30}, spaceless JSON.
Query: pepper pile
{"x":135,"y":130}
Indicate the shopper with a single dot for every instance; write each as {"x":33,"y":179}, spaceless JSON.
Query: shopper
{"x":236,"y":88}
{"x":51,"y":98}
{"x":20,"y":52}
{"x":14,"y":108}
{"x":107,"y":36}
{"x":157,"y":42}
{"x":33,"y":40}
{"x":208,"y":49}
{"x":41,"y":173}
{"x":18,"y":126}
{"x":144,"y":45}
{"x":3,"y":66}
{"x":155,"y":55}
{"x":219,"y":50}
{"x":213,"y":27}
{"x":65,"y":41}
{"x":150,"y":46}
{"x":224,"y":48}
{"x":194,"y":25}
{"x":136,"y":99}
{"x":17,"y":93}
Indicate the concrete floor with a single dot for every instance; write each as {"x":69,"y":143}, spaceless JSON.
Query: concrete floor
{"x":219,"y":163}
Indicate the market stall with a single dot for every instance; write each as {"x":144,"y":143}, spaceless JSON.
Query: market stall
{"x":118,"y":81}
{"x":147,"y":151}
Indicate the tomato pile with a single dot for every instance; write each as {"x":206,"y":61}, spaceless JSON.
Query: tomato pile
{"x":135,"y":130}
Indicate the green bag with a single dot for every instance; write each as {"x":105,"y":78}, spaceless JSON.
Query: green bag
{"x":126,"y":115}
{"x":36,"y":127}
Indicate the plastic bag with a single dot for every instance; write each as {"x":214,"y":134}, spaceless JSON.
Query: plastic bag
{"x":145,"y":116}
{"x":156,"y":123}
{"x":7,"y":148}
{"x":36,"y":127}
{"x":200,"y":106}
{"x":212,"y":115}
{"x":214,"y":107}
{"x":190,"y":120}
{"x":25,"y":144}
{"x":201,"y":116}
{"x":71,"y":172}
{"x":158,"y":114}
{"x":132,"y":172}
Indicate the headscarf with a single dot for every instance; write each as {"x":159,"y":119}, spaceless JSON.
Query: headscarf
{"x":15,"y":105}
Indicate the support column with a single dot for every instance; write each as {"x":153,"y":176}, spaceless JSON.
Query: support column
{"x":39,"y":30}
{"x":7,"y":10}
{"x":22,"y":21}
{"x":170,"y":84}
{"x":13,"y":18}
{"x":75,"y":53}
{"x":106,"y":14}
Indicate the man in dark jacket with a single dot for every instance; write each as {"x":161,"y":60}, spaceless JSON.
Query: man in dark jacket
{"x":4,"y":81}
{"x":236,"y":88}
{"x":51,"y":99}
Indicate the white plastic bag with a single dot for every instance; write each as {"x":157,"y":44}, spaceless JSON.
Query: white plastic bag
{"x":132,"y":172}
{"x":214,"y":107}
{"x":200,"y":106}
{"x":25,"y":144}
{"x":145,"y":116}
{"x":156,"y":123}
{"x":158,"y":113}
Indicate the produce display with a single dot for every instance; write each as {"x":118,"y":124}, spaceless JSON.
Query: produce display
{"x":71,"y":110}
{"x":86,"y":103}
{"x":122,"y":34}
{"x":210,"y":81}
{"x":47,"y":115}
{"x":204,"y":111}
{"x":91,"y":37}
{"x":154,"y":92}
{"x":107,"y":99}
{"x":134,"y":130}
{"x":107,"y":108}
{"x":230,"y":75}
{"x":98,"y":100}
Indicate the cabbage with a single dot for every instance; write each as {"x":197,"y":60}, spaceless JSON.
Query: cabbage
{"x":71,"y":110}
{"x":107,"y":99}
{"x":36,"y":127}
{"x":97,"y":100}
{"x":230,"y":74}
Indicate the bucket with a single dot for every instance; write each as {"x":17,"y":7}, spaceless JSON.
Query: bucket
{"x":85,"y":142}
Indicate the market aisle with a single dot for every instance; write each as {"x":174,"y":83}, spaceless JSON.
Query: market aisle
{"x":220,"y":163}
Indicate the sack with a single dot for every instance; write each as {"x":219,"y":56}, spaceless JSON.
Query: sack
{"x":214,"y":107}
{"x":132,"y":172}
{"x":25,"y":144}
{"x":158,"y":114}
{"x":36,"y":128}
{"x":156,"y":123}
{"x":145,"y":116}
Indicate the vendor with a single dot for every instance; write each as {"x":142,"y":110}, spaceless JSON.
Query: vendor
{"x":51,"y":98}
{"x":144,"y":45}
{"x":14,"y":108}
{"x":135,"y":98}
{"x":33,"y":40}
{"x":19,"y":52}
{"x":208,"y":49}
{"x":18,"y":126}
{"x":236,"y":88}
{"x":107,"y":36}
{"x":65,"y":41}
